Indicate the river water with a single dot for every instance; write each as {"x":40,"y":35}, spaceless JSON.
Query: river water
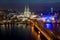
{"x":15,"y":32}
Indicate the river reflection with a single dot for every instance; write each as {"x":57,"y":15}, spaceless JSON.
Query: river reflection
{"x":15,"y":31}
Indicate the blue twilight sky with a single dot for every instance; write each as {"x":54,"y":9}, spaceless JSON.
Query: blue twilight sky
{"x":29,"y":1}
{"x":33,"y":4}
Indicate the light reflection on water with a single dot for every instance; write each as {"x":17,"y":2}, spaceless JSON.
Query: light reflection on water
{"x":20,"y":31}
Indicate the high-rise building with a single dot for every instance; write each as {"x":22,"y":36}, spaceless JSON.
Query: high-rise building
{"x":51,"y":10}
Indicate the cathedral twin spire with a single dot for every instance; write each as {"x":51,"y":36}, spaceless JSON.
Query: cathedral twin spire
{"x":26,"y":9}
{"x":27,"y":13}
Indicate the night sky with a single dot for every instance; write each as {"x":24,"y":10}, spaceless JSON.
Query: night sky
{"x":29,"y":1}
{"x":34,"y":4}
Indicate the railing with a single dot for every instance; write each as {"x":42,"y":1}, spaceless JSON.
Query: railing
{"x":45,"y":33}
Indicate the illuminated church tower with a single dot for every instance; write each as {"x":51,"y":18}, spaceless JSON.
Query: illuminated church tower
{"x":27,"y":13}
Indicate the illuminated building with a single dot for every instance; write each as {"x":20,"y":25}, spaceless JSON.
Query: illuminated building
{"x":25,"y":15}
{"x":51,"y":10}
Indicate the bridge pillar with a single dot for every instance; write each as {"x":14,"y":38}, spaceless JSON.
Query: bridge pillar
{"x":35,"y":35}
{"x":32,"y":28}
{"x":39,"y":35}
